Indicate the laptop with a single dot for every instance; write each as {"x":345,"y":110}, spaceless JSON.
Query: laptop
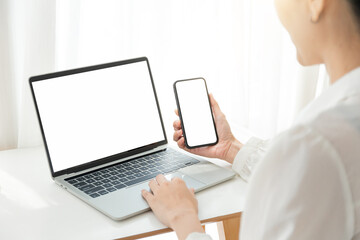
{"x":105,"y":138}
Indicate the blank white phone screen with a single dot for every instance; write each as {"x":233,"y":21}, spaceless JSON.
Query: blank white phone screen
{"x":196,"y":112}
{"x":95,"y":114}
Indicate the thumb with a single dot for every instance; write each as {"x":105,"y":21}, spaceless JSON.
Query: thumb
{"x":192,"y":190}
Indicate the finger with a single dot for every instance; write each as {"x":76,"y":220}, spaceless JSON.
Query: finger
{"x":154,"y":186}
{"x":181,"y":143}
{"x":177,"y":125}
{"x":147,"y":196}
{"x":192,"y":190}
{"x":177,"y":112}
{"x":177,"y":135}
{"x":214,"y":104}
{"x":161,"y":179}
{"x":177,"y":180}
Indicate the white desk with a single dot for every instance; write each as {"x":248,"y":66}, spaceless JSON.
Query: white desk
{"x":32,"y":206}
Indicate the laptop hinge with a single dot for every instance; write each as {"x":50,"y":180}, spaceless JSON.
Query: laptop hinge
{"x":69,"y":175}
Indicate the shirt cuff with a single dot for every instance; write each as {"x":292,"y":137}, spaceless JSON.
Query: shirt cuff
{"x":198,"y":236}
{"x":248,"y":157}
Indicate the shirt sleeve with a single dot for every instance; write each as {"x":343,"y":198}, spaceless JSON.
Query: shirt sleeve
{"x":299,"y":191}
{"x":249,"y":156}
{"x":198,"y":236}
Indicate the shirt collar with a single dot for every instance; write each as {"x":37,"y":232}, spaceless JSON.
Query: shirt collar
{"x":344,"y":88}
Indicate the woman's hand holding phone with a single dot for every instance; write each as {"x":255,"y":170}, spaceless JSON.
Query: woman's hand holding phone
{"x":227,"y":146}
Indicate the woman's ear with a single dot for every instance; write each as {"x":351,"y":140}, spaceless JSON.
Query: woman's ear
{"x":316,"y":9}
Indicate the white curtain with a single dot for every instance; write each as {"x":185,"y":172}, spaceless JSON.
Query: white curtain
{"x":238,"y":46}
{"x":27,"y":43}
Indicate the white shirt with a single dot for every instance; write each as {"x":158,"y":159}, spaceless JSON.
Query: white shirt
{"x":307,"y":185}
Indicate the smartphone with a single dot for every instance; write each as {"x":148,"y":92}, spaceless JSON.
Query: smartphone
{"x":196,"y":116}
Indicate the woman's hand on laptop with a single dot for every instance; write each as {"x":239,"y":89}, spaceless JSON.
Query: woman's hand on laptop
{"x":174,"y":205}
{"x":227,"y":147}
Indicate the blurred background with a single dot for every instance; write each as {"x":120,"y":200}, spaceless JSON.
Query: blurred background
{"x":238,"y":46}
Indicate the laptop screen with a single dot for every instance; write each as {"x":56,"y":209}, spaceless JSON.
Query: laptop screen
{"x":95,"y":114}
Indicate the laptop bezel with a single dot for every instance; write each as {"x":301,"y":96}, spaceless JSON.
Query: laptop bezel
{"x":107,"y":159}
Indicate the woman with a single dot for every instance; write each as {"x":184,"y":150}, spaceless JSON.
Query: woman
{"x":307,"y":185}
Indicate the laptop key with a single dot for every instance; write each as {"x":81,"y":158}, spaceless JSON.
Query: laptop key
{"x":80,"y":178}
{"x":79,"y":184}
{"x":105,"y":180}
{"x":89,"y":176}
{"x":98,"y":183}
{"x":111,"y":189}
{"x":121,"y":175}
{"x":122,"y":180}
{"x":145,"y":172}
{"x":98,"y":178}
{"x":180,"y":165}
{"x":106,"y":175}
{"x":161,"y":168}
{"x":103,"y":192}
{"x":86,"y":187}
{"x":116,"y":182}
{"x":112,"y":168}
{"x":93,"y":190}
{"x":121,"y":170}
{"x":90,"y":181}
{"x":94,"y":195}
{"x":113,"y":178}
{"x":107,"y":185}
{"x":168,"y":170}
{"x":119,"y":186}
{"x":131,"y":177}
{"x":71,"y":181}
{"x":141,"y":179}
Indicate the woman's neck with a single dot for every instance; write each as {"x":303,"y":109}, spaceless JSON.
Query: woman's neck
{"x":343,"y":54}
{"x":342,"y":63}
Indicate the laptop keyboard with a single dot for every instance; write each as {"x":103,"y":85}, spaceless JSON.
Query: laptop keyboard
{"x":121,"y":175}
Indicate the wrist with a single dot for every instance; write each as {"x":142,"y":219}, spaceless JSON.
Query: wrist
{"x":234,"y":148}
{"x":185,"y":223}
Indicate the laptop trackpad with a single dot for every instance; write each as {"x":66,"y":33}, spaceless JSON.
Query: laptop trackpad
{"x":190,"y":182}
{"x":128,"y":202}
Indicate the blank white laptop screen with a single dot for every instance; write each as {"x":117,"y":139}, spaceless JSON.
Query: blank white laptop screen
{"x":95,"y":114}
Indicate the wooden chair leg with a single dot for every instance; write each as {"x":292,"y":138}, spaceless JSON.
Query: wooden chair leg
{"x":229,"y":229}
{"x":203,"y":226}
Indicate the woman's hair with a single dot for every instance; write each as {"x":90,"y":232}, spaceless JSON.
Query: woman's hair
{"x":355,"y":6}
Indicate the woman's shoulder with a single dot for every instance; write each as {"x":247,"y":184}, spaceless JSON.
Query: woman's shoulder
{"x":340,"y":126}
{"x":333,"y":134}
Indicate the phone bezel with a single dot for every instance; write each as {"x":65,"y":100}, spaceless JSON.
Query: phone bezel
{"x":180,"y":115}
